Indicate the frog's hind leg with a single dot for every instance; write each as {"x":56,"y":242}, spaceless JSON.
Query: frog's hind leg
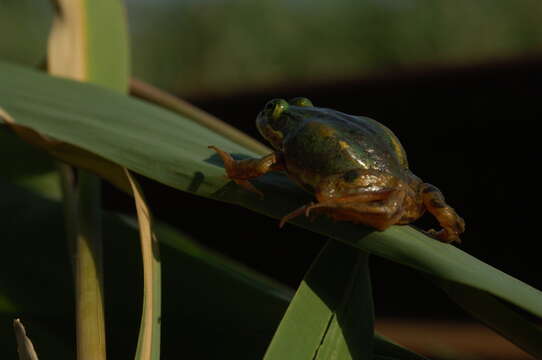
{"x":379,"y":213}
{"x":378,"y":209}
{"x":452,"y":224}
{"x":241,"y":171}
{"x":305,"y":209}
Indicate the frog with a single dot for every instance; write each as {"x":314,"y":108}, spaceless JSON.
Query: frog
{"x":355,"y":167}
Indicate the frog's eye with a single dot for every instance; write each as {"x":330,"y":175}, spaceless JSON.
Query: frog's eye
{"x":301,"y":101}
{"x":278,"y":107}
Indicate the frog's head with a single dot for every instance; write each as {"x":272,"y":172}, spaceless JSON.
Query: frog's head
{"x":279,"y":118}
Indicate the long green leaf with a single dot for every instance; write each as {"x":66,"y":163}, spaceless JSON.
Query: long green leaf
{"x":89,"y":42}
{"x":331,"y":315}
{"x":495,"y":314}
{"x":148,"y":92}
{"x":27,"y":22}
{"x":173,"y":150}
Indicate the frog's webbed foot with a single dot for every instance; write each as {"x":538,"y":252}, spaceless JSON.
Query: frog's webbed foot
{"x":241,"y":171}
{"x":452,"y":224}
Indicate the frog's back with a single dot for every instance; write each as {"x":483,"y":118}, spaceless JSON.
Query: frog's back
{"x":334,"y":142}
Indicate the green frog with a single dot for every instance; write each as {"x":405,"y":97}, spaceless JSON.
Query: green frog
{"x":356,"y":168}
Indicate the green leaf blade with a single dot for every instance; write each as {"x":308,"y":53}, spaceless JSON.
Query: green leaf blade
{"x":331,"y":315}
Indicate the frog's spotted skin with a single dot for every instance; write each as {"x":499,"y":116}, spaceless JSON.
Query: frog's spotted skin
{"x":355,"y":167}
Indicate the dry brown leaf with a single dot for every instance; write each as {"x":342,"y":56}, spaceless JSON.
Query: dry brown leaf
{"x":66,"y":52}
{"x":151,"y":274}
{"x":25,"y":349}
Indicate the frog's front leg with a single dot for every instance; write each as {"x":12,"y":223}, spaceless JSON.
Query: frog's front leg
{"x":241,"y":171}
{"x":452,"y":224}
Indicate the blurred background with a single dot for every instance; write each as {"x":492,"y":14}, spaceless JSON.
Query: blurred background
{"x":458,"y":82}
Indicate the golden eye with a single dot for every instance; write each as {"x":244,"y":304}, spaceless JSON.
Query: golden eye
{"x":301,"y":101}
{"x":280,"y":106}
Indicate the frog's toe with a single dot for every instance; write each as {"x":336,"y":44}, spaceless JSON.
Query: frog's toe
{"x":459,"y":225}
{"x":444,"y":236}
{"x":247,"y":185}
{"x":229,"y":162}
{"x":223,"y":155}
{"x":305,"y":209}
{"x":308,"y":209}
{"x":312,"y":209}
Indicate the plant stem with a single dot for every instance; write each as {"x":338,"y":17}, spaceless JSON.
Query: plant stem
{"x":83,"y":227}
{"x":89,"y":300}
